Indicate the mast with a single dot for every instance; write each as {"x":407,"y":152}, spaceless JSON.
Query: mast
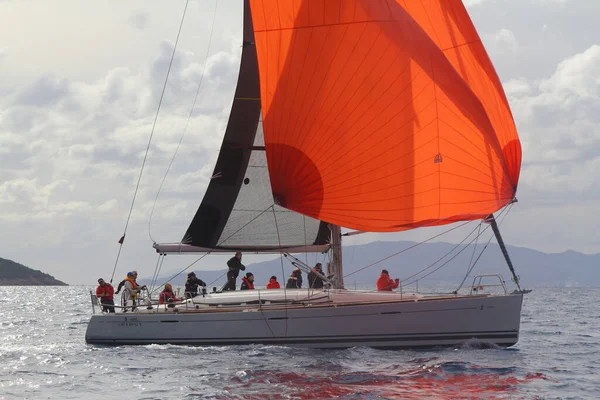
{"x":492,"y":221}
{"x":335,"y":267}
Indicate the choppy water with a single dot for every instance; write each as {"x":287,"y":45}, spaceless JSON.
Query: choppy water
{"x":43,"y":355}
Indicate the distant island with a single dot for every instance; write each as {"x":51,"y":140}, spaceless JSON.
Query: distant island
{"x":15,"y":274}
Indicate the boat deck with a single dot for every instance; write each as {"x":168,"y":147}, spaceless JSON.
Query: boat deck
{"x":273,"y":299}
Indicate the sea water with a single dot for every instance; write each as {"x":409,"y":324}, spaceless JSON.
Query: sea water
{"x":43,"y":355}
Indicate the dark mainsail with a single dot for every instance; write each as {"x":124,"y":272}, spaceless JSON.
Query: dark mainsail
{"x":238,"y":210}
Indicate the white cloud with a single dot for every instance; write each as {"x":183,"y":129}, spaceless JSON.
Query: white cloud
{"x":46,"y":91}
{"x":470,"y":3}
{"x":578,"y":75}
{"x":72,"y":150}
{"x":139,"y":19}
{"x":75,"y":117}
{"x":506,"y":40}
{"x":558,"y":116}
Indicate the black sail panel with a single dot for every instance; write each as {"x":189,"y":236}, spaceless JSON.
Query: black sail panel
{"x":238,"y":210}
{"x":222,"y":191}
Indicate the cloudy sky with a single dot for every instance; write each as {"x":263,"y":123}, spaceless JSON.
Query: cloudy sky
{"x":79,"y":87}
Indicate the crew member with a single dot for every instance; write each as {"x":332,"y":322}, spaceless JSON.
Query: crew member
{"x":106,"y":292}
{"x":235,"y":266}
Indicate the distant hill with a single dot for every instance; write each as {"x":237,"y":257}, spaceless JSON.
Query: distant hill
{"x":536,"y":269}
{"x":15,"y":274}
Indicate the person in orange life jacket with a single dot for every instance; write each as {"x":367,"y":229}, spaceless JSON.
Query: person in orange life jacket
{"x":295,"y":280}
{"x":167,"y":295}
{"x":142,"y":287}
{"x":385,"y":283}
{"x":314,"y":280}
{"x":273,"y":284}
{"x":122,"y":283}
{"x":247,"y":282}
{"x":105,"y":292}
{"x":131,"y":290}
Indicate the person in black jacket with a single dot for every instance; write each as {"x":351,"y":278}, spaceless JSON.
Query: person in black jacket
{"x":314,"y":280}
{"x":191,"y":285}
{"x":295,"y":280}
{"x":235,"y":266}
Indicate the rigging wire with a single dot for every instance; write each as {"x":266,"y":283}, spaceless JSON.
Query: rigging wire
{"x":218,"y":278}
{"x":408,"y":248}
{"x":218,"y":244}
{"x":425,"y":241}
{"x":444,"y":256}
{"x":186,"y":123}
{"x":471,"y":264}
{"x":484,"y":248}
{"x":122,"y":240}
{"x":446,"y":263}
{"x":450,"y":252}
{"x":161,"y":259}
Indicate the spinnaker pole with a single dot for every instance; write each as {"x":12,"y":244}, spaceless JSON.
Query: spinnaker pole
{"x":492,"y":221}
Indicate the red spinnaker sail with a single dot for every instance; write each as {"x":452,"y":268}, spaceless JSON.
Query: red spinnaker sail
{"x":382,"y":115}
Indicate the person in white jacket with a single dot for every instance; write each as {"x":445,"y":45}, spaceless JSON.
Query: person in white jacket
{"x":130,"y":291}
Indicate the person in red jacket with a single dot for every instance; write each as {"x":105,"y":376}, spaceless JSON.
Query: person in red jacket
{"x":106,"y":292}
{"x":247,"y":282}
{"x":167,"y":295}
{"x":385,"y":283}
{"x":273,"y":284}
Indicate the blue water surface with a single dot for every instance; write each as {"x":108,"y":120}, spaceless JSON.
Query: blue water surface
{"x":43,"y":355}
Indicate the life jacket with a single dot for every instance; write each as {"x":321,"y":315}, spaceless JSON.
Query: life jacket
{"x":133,"y":283}
{"x":134,"y":287}
{"x":246,"y":284}
{"x":295,"y":280}
{"x":273,"y":284}
{"x":385,"y":283}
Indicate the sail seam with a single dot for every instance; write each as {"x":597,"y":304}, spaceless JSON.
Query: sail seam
{"x":461,"y":45}
{"x":328,"y":94}
{"x":323,"y":149}
{"x":326,"y":25}
{"x":331,"y":211}
{"x":385,"y":123}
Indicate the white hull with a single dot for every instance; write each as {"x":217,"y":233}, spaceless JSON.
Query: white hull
{"x":344,"y":319}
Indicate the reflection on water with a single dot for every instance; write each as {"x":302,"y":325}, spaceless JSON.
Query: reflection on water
{"x":429,"y":380}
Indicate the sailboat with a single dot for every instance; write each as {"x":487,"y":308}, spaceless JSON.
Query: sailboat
{"x":371,"y":115}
